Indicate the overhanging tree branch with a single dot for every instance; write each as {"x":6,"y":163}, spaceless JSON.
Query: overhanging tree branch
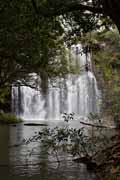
{"x":108,"y":8}
{"x":77,"y":6}
{"x":73,"y":6}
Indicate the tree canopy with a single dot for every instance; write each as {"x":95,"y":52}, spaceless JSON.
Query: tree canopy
{"x":27,"y":43}
{"x":33,"y":32}
{"x":108,"y":8}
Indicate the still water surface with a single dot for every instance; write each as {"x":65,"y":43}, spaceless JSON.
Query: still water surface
{"x":32,"y":161}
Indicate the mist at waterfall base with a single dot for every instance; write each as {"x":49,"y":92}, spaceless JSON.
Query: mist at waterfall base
{"x":76,"y":93}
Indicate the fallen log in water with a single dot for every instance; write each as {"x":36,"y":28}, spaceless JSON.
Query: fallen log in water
{"x":97,"y":126}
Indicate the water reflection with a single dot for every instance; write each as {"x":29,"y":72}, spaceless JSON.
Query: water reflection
{"x":4,"y":152}
{"x":32,"y":160}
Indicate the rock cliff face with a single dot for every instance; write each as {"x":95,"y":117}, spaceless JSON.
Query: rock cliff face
{"x":110,"y":90}
{"x":106,"y":64}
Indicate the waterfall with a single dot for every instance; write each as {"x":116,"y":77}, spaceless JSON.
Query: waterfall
{"x":77,"y":93}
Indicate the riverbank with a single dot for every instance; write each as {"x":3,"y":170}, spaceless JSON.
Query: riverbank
{"x":7,"y":118}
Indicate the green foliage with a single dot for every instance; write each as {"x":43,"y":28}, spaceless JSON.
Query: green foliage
{"x":27,"y":43}
{"x":107,"y":63}
{"x":4,"y":93}
{"x":108,"y":56}
{"x":80,"y":142}
{"x":31,"y":42}
{"x":9,"y":119}
{"x":5,"y":96}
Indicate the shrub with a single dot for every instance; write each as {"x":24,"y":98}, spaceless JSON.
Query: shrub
{"x":7,"y":118}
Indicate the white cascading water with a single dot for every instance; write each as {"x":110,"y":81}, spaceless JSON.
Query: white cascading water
{"x":75,"y":93}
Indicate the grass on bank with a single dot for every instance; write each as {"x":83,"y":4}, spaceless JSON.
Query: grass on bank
{"x":7,"y":118}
